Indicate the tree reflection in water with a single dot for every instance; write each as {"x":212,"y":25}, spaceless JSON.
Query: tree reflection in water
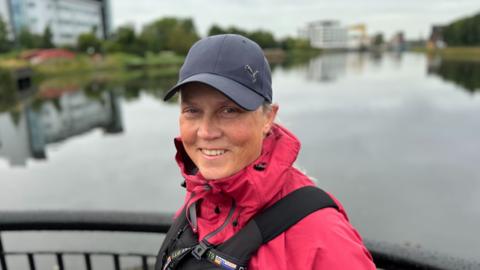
{"x":465,"y":74}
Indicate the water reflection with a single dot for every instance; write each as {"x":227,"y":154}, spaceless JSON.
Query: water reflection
{"x":59,"y":109}
{"x":375,"y":130}
{"x":463,"y":73}
{"x":59,"y":116}
{"x":330,"y":67}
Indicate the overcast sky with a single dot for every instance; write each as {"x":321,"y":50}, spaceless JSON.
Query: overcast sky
{"x":285,"y":17}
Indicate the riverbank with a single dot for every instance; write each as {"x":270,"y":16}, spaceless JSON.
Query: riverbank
{"x":453,"y":53}
{"x":167,"y":63}
{"x":82,"y":63}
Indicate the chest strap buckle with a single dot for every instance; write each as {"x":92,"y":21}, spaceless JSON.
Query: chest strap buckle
{"x":200,"y":249}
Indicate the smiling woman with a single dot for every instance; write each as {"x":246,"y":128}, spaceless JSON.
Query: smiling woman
{"x":220,"y":137}
{"x":246,"y":205}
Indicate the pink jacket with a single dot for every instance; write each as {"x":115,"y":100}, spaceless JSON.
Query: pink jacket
{"x":322,"y":240}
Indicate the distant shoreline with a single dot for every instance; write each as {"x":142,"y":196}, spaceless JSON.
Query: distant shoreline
{"x":470,"y":54}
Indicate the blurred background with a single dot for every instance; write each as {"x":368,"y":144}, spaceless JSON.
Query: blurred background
{"x":383,"y":95}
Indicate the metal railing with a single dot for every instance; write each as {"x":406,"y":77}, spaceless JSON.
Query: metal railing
{"x":80,"y":221}
{"x":386,"y":256}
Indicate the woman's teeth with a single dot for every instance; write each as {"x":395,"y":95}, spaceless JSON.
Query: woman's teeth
{"x":213,"y":152}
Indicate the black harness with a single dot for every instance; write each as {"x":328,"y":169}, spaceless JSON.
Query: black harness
{"x":181,"y":249}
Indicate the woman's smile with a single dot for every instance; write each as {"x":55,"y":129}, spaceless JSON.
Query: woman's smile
{"x":213,"y":153}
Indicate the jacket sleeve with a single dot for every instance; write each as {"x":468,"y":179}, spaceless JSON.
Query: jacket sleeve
{"x":326,"y":240}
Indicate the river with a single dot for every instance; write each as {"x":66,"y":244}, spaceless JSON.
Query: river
{"x":395,"y":137}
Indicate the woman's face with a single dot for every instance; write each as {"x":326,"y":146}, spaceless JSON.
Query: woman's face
{"x":220,"y":137}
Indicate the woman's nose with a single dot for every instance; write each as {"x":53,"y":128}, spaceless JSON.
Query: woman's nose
{"x":208,"y":130}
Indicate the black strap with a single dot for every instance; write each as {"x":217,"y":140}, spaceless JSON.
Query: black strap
{"x":235,"y":253}
{"x":275,"y":220}
{"x":290,"y":210}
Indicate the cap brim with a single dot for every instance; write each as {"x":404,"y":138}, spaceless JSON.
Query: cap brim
{"x":241,"y":95}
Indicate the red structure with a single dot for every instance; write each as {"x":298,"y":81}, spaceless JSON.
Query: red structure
{"x":41,"y":55}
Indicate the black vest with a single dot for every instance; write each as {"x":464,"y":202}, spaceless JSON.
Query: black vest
{"x":181,"y":249}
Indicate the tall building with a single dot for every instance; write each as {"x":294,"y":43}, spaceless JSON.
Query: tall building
{"x":330,"y":34}
{"x":67,"y":19}
{"x":327,"y":35}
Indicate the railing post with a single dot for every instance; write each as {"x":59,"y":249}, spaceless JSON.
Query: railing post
{"x":144,"y":263}
{"x":116,"y":261}
{"x":3,"y":262}
{"x":31,"y":261}
{"x":88,"y":261}
{"x":60,"y":261}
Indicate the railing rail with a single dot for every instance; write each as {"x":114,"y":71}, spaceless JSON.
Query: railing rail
{"x":386,"y":256}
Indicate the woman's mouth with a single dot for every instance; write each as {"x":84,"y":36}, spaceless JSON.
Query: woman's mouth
{"x":213,"y":152}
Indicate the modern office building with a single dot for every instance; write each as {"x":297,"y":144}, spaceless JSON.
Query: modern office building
{"x":326,"y":35}
{"x":67,"y":19}
{"x":330,"y":34}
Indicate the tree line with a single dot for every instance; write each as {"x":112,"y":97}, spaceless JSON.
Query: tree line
{"x":165,"y":34}
{"x":463,"y":32}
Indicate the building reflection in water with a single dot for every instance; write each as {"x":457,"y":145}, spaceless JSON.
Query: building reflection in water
{"x":57,"y":118}
{"x":332,"y":66}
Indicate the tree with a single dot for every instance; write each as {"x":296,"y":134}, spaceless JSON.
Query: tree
{"x":169,"y":33}
{"x":378,"y":39}
{"x":4,"y":42}
{"x":89,"y":42}
{"x":215,"y":30}
{"x":463,"y":32}
{"x":28,"y":40}
{"x":47,"y":38}
{"x":125,"y":40}
{"x":264,"y":38}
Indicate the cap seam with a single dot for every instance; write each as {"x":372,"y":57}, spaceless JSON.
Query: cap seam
{"x":219,"y":53}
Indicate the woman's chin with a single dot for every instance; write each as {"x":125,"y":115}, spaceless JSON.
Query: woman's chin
{"x":215,"y":174}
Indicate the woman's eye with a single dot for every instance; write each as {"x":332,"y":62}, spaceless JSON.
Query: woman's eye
{"x":230,"y":110}
{"x":190,"y":111}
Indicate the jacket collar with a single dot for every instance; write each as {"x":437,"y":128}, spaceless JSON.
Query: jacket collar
{"x":254,"y":186}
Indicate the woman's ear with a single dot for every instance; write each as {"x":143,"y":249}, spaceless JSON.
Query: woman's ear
{"x":271,"y":115}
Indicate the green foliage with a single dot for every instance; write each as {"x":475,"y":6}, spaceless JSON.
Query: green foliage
{"x":264,"y":38}
{"x":463,"y":32}
{"x":173,"y":34}
{"x":290,"y":43}
{"x":217,"y":30}
{"x":7,"y":90}
{"x":125,"y":40}
{"x":47,"y":38}
{"x":89,"y":43}
{"x":4,"y":42}
{"x":378,"y":39}
{"x":28,"y":40}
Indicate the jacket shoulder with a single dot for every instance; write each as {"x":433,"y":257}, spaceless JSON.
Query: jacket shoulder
{"x":329,"y":241}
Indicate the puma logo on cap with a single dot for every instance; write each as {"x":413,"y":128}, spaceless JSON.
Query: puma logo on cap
{"x":252,"y":73}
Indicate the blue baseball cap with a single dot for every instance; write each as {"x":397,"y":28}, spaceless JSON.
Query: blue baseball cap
{"x":232,"y":64}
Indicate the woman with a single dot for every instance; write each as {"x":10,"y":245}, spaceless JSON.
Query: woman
{"x":236,"y":163}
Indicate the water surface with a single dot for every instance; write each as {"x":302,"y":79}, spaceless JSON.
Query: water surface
{"x":394,"y":137}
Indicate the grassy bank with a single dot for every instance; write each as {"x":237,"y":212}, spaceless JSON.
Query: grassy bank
{"x":83,"y":63}
{"x":164,"y":62}
{"x":453,"y":53}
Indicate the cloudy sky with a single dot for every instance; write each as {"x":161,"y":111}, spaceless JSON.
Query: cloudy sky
{"x":285,"y":17}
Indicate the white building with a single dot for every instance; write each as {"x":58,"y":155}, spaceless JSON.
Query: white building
{"x":67,"y":19}
{"x":357,"y":37}
{"x":326,"y":35}
{"x":330,"y":34}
